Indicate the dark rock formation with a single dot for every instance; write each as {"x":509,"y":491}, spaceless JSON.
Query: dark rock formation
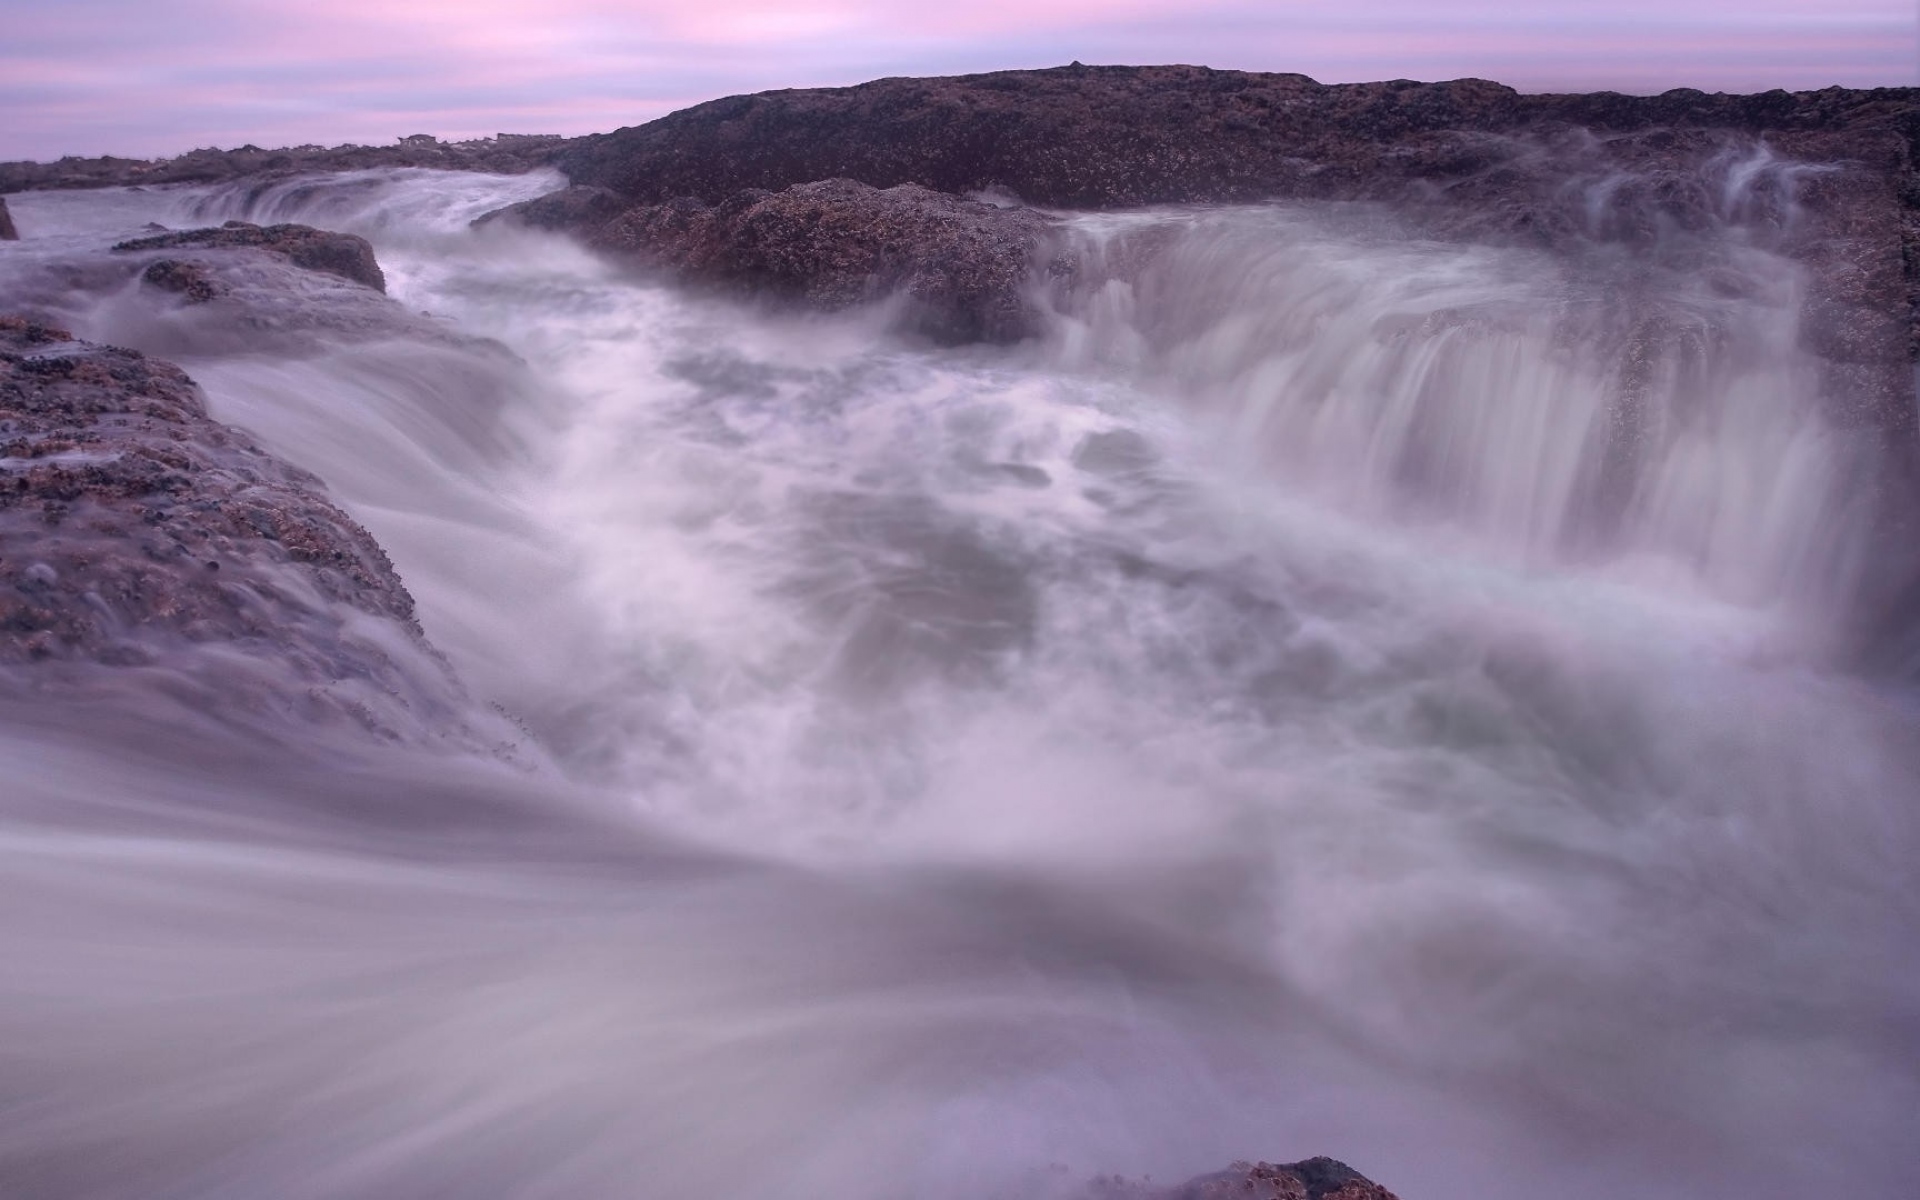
{"x":340,"y":254}
{"x":186,"y":280}
{"x":581,"y":210}
{"x":960,"y":266}
{"x":1313,"y":1179}
{"x":1105,"y":137}
{"x":7,"y":232}
{"x":505,"y":154}
{"x":144,"y":545}
{"x":126,"y":511}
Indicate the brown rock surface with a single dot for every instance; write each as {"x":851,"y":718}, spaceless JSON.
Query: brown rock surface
{"x":960,"y":266}
{"x":104,"y":440}
{"x":341,"y":254}
{"x":186,"y":280}
{"x":135,"y":531}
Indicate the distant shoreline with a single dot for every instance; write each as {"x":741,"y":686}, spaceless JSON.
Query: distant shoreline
{"x":503,"y":154}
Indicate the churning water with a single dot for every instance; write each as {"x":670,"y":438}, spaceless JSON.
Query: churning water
{"x":1335,"y":693}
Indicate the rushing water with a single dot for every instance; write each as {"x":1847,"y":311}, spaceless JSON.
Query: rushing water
{"x":1336,"y":693}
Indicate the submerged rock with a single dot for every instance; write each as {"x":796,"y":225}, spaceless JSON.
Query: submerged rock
{"x":187,"y":280}
{"x":343,"y":254}
{"x":7,"y":232}
{"x":960,"y":267}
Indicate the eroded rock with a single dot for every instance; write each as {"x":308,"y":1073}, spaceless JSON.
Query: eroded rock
{"x":138,"y":532}
{"x":189,"y":281}
{"x":341,"y":254}
{"x":7,"y":232}
{"x":960,"y":267}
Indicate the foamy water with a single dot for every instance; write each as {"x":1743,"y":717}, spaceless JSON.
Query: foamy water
{"x":1337,"y":693}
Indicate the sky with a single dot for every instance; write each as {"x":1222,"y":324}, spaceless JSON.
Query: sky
{"x":158,"y":77}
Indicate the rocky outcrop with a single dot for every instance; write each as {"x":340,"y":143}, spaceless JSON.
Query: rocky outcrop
{"x":7,"y":232}
{"x":104,"y":445}
{"x":959,"y":267}
{"x":341,"y":254}
{"x":504,"y":154}
{"x":1106,"y":137}
{"x":1312,"y":1179}
{"x":137,"y":534}
{"x":189,"y":281}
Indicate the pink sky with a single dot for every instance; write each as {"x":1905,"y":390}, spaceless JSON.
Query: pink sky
{"x":151,"y":77}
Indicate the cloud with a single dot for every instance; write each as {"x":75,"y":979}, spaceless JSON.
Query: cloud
{"x":136,"y":77}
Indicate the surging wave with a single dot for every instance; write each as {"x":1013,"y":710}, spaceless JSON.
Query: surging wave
{"x":1339,"y":693}
{"x":1650,"y":408}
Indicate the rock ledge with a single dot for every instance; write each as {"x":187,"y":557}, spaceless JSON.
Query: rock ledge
{"x":959,"y":267}
{"x":341,"y":254}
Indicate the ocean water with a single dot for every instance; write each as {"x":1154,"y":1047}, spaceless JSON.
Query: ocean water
{"x":1337,"y":692}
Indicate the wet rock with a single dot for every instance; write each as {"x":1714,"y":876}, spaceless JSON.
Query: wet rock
{"x":136,"y":531}
{"x":1114,"y":452}
{"x":7,"y":232}
{"x":581,"y":210}
{"x":98,"y":438}
{"x":341,"y":254}
{"x":960,"y":268}
{"x":189,"y":281}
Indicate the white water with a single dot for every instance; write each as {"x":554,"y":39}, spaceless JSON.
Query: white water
{"x":1282,"y":713}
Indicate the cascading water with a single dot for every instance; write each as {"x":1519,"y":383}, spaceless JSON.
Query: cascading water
{"x":1604,"y":404}
{"x":1336,"y":693}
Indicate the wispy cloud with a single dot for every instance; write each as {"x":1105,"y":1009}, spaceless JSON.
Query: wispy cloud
{"x":140,"y":77}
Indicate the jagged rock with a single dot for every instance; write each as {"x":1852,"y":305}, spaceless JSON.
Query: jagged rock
{"x":136,"y":531}
{"x":341,"y":254}
{"x":7,"y":232}
{"x":1311,"y":1179}
{"x":100,"y":437}
{"x":961,"y":266}
{"x":582,"y":210}
{"x":187,"y":280}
